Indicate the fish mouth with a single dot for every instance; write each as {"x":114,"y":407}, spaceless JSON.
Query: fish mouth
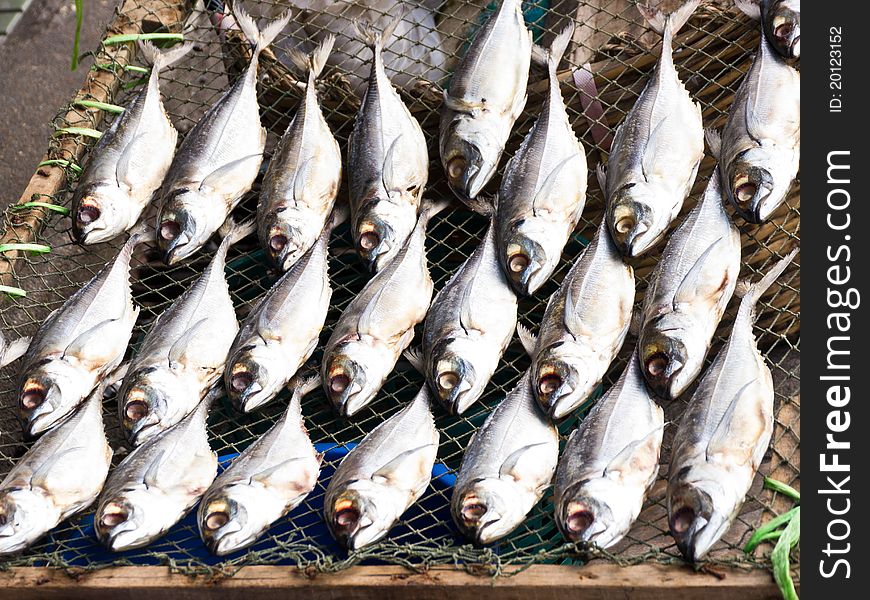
{"x":629,"y":222}
{"x":284,"y":249}
{"x":174,"y":241}
{"x":554,"y":389}
{"x":218,"y":529}
{"x":661,"y":364}
{"x":750,"y":188}
{"x":344,"y":391}
{"x":114,"y":525}
{"x":349,"y":520}
{"x":244,"y":388}
{"x":453,"y":382}
{"x":695,"y":525}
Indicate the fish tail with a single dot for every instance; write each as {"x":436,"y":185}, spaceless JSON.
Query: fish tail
{"x":668,"y":25}
{"x":750,"y":8}
{"x":340,"y":214}
{"x":430,"y":209}
{"x":314,"y":62}
{"x":160,"y":59}
{"x":757,"y":289}
{"x":260,"y":39}
{"x":559,"y":46}
{"x":374,"y":39}
{"x":237,"y":232}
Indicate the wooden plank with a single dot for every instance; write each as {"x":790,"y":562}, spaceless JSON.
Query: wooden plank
{"x":24,"y":225}
{"x":597,"y":581}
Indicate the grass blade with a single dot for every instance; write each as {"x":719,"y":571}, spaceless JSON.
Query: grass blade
{"x":39,"y":248}
{"x":46,"y":205}
{"x":782,"y":488}
{"x":78,"y":35}
{"x":132,"y":37}
{"x":112,"y":108}
{"x":61,"y":163}
{"x":85,"y":131}
{"x":780,"y":557}
{"x":767,"y":528}
{"x":12,"y":291}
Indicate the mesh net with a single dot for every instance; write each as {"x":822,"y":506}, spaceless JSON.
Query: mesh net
{"x":711,"y":54}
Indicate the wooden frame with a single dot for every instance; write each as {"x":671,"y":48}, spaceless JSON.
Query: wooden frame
{"x":591,"y":582}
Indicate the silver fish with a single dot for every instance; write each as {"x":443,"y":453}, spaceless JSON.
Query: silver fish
{"x":487,"y":93}
{"x":157,"y":484}
{"x":508,"y":464}
{"x":723,"y":435}
{"x":264,"y":483}
{"x":468,"y":327}
{"x":378,"y":324}
{"x":388,"y":163}
{"x":183,"y":354}
{"x":584,"y":325}
{"x":219,"y":159}
{"x":759,"y":149}
{"x":656,"y":150}
{"x":127,"y":165}
{"x":781,"y":20}
{"x":303,"y":177}
{"x":61,"y":475}
{"x":383,"y":475}
{"x":78,"y":344}
{"x":282,"y":331}
{"x":609,"y":463}
{"x":688,"y":292}
{"x":543,"y":191}
{"x":12,"y":351}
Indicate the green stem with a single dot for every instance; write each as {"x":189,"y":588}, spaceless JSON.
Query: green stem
{"x":61,"y":163}
{"x":782,"y":488}
{"x":46,"y":205}
{"x":12,"y":291}
{"x":780,"y":557}
{"x":78,"y":35}
{"x":774,"y":523}
{"x":112,"y":108}
{"x":40,"y":248}
{"x":85,"y":131}
{"x":132,"y":37}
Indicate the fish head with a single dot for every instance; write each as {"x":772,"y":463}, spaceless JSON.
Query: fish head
{"x":667,"y":362}
{"x":594,"y":511}
{"x":225,"y":523}
{"x":558,"y":379}
{"x":144,"y":402}
{"x":632,"y":219}
{"x":252,"y":377}
{"x":133,"y":518}
{"x":697,"y":521}
{"x":470,"y":154}
{"x":25,"y":516}
{"x":181,"y":226}
{"x":783,"y":27}
{"x":488,"y":510}
{"x":529,"y":251}
{"x":50,"y":392}
{"x":101,"y":212}
{"x":757,"y":182}
{"x":285,"y":242}
{"x":352,"y":376}
{"x":453,"y":377}
{"x":380,"y":229}
{"x":360,"y":514}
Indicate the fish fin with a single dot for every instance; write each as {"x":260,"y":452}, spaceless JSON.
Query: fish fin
{"x":84,"y":344}
{"x":313,"y":64}
{"x":218,"y":178}
{"x":519,"y":105}
{"x":638,"y":456}
{"x":289,"y":482}
{"x":696,"y":279}
{"x":461,"y":106}
{"x":482,"y":206}
{"x":366,"y":317}
{"x":406,"y":469}
{"x":15,"y":350}
{"x":601,"y":174}
{"x":714,"y":141}
{"x":737,"y":430}
{"x":260,"y":39}
{"x":756,"y":290}
{"x":674,"y":21}
{"x":300,"y":180}
{"x":755,"y":127}
{"x":160,"y":59}
{"x":528,"y":339}
{"x":131,"y":162}
{"x":415,"y":357}
{"x":41,"y":476}
{"x":650,"y":152}
{"x":178,"y":352}
{"x":525,"y":459}
{"x":546,"y":190}
{"x":151,"y":477}
{"x":388,"y":176}
{"x":750,"y":8}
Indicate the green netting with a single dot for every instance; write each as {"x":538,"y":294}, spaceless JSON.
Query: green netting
{"x":712,"y":53}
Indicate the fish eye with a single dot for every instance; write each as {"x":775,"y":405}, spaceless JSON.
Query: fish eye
{"x":33,"y":397}
{"x":113,"y":515}
{"x":169,"y":230}
{"x":448,"y":380}
{"x":682,"y":520}
{"x":518,"y":263}
{"x":136,"y":410}
{"x":216,"y":520}
{"x":369,"y":241}
{"x":625,"y":224}
{"x":277,"y":242}
{"x":456,"y":167}
{"x":339,"y":383}
{"x":657,"y":363}
{"x":549,"y":383}
{"x":88,"y":213}
{"x":241,"y":380}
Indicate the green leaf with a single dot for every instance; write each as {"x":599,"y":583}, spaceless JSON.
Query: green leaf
{"x":767,"y":528}
{"x":40,"y":248}
{"x":46,"y":205}
{"x":112,"y":108}
{"x":61,"y":163}
{"x":85,"y":131}
{"x":132,"y":37}
{"x":78,"y":35}
{"x":112,"y":66}
{"x":13,"y":291}
{"x":780,"y":557}
{"x":782,"y":488}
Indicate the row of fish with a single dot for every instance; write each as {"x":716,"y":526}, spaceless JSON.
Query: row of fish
{"x":167,"y":387}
